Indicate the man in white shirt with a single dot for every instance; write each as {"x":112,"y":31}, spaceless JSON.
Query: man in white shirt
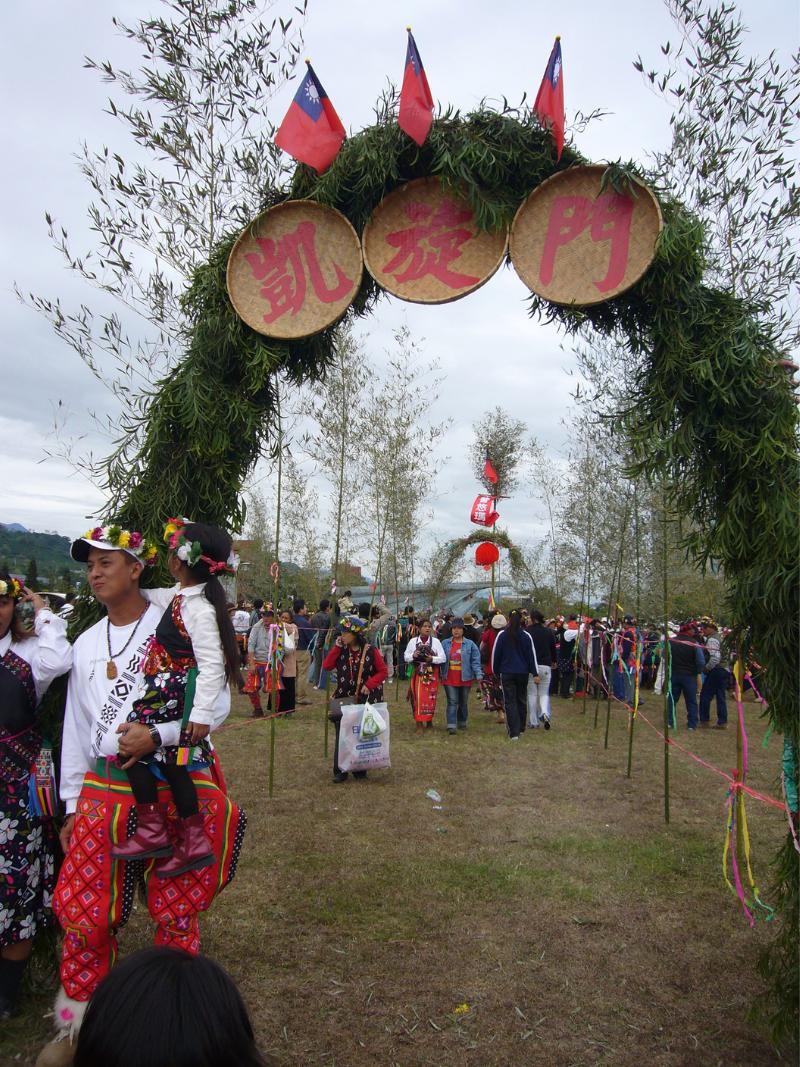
{"x":94,"y":894}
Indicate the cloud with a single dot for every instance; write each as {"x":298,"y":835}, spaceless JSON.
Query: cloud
{"x":490,"y":351}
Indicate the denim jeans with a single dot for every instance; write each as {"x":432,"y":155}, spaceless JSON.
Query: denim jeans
{"x":714,"y":685}
{"x":457,"y":697}
{"x":686,"y":684}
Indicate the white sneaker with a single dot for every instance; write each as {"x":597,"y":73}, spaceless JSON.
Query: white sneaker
{"x":515,"y":738}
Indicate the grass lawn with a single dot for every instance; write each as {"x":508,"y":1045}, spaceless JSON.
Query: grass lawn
{"x":546,"y":895}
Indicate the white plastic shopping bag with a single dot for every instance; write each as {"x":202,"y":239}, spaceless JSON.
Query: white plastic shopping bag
{"x":362,"y":749}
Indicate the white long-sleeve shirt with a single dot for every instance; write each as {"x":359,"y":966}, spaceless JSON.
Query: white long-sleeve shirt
{"x":48,"y":652}
{"x":435,"y":645}
{"x":200,"y":621}
{"x":97,"y":705}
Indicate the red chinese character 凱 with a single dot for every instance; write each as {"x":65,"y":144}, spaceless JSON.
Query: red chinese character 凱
{"x":431,"y":244}
{"x":282,"y":266}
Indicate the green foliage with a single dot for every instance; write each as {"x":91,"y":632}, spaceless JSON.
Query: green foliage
{"x":448,"y":559}
{"x":499,"y":437}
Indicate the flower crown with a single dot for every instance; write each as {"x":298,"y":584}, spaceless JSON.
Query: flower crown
{"x":191,"y":552}
{"x":131,"y":540}
{"x":11,"y":587}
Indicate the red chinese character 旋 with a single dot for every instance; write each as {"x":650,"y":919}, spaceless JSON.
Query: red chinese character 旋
{"x":430,"y":245}
{"x":608,"y":219}
{"x":283,"y":264}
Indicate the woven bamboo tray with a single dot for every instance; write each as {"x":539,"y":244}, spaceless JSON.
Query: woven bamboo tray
{"x":559,"y":238}
{"x":421,"y":244}
{"x":295,"y":269}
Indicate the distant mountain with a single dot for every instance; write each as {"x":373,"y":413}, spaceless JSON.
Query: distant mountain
{"x":51,"y":551}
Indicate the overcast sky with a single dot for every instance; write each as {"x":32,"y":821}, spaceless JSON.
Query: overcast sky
{"x":489,"y":351}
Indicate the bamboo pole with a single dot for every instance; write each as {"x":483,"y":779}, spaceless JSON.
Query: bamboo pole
{"x":667,"y":657}
{"x":275,"y":695}
{"x":639,"y":637}
{"x":277,"y":571}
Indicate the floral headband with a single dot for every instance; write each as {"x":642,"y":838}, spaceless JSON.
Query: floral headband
{"x":129,"y":540}
{"x":11,"y":587}
{"x":191,"y":552}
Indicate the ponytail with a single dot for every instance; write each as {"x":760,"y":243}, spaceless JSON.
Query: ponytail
{"x":217,"y":545}
{"x":215,"y":595}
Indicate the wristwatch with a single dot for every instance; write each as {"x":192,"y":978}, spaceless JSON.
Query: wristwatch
{"x":156,"y":736}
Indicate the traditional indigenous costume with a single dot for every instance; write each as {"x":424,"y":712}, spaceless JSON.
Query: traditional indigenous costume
{"x":425,"y":654}
{"x":27,"y":838}
{"x":95,"y":892}
{"x":355,"y":665}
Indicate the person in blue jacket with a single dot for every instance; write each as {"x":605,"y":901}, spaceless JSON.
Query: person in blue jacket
{"x":461,"y":668}
{"x":513,"y":661}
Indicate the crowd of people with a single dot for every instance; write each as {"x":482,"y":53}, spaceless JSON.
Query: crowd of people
{"x":145,"y":800}
{"x":515,"y":675}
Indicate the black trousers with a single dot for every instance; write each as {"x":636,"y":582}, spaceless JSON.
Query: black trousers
{"x":145,"y":787}
{"x":564,"y":681}
{"x":515,"y":702}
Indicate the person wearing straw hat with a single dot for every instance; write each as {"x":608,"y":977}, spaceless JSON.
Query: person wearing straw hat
{"x":95,"y":892}
{"x":360,"y":674}
{"x":30,"y":659}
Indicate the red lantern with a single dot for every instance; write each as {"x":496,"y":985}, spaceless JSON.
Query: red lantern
{"x":486,"y":554}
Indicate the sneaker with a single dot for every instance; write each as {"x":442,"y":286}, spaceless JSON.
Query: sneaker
{"x":546,"y":723}
{"x":705,"y":725}
{"x":340,"y":776}
{"x":692,"y":728}
{"x":515,"y":738}
{"x":451,"y":729}
{"x":720,"y":726}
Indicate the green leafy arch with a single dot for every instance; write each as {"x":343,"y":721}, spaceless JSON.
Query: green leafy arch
{"x":710,"y":411}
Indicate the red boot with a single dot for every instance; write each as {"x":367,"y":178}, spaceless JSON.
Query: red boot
{"x":192,"y":849}
{"x":150,"y":839}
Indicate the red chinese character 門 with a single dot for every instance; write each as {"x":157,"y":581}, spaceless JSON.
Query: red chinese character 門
{"x":431,"y":244}
{"x":608,"y":218}
{"x":282,"y":268}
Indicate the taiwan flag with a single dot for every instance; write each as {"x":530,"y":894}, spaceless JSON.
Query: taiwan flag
{"x":311,"y":131}
{"x":549,"y":104}
{"x":416,"y":102}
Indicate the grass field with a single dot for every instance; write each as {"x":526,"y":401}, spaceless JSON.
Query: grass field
{"x":546,"y":899}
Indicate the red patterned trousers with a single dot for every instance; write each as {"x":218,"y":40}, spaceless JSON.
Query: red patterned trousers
{"x":94,"y":893}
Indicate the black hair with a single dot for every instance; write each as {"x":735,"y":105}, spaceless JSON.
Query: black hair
{"x":324,"y":605}
{"x":536,"y":616}
{"x":363,"y":610}
{"x":514,"y":626}
{"x":216,"y":544}
{"x":298,"y":606}
{"x":164,"y":1008}
{"x":346,"y":592}
{"x":258,"y":604}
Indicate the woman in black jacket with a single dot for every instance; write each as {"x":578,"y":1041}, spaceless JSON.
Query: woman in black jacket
{"x":513,"y":660}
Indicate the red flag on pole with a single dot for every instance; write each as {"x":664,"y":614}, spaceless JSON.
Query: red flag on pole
{"x":489,"y":473}
{"x":483,"y":513}
{"x":311,"y":131}
{"x":549,"y":104}
{"x":416,"y":103}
